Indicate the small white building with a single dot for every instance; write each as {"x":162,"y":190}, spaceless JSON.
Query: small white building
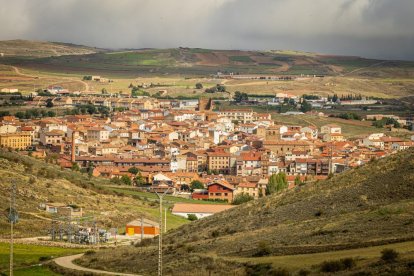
{"x":331,"y":129}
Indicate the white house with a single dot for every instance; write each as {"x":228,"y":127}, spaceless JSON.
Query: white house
{"x":331,"y":129}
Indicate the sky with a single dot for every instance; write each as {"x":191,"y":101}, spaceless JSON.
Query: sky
{"x":369,"y":28}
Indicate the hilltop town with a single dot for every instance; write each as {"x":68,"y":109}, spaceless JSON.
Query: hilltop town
{"x":159,"y":144}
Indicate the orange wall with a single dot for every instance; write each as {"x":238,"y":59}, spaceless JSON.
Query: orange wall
{"x":148,"y":230}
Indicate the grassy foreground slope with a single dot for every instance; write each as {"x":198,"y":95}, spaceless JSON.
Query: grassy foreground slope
{"x":38,"y":182}
{"x":364,"y":207}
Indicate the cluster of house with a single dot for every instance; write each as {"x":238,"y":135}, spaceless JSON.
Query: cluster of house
{"x":230,"y":152}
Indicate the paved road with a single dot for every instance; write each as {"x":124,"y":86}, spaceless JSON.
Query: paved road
{"x":67,"y":262}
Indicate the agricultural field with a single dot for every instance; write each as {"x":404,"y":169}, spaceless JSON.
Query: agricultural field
{"x":28,"y":257}
{"x":178,"y":70}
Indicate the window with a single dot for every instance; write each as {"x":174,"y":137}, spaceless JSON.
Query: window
{"x":225,"y":194}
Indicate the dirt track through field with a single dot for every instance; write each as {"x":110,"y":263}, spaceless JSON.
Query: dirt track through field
{"x":17,"y":70}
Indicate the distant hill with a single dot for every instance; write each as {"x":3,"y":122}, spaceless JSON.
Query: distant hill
{"x":363,"y":207}
{"x":60,"y":57}
{"x":28,"y":48}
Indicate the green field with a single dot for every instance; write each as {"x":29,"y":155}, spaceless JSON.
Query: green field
{"x":27,"y":256}
{"x":246,"y":59}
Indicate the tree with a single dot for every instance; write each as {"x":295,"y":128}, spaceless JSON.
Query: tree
{"x":184,"y":187}
{"x":305,"y":106}
{"x":241,"y":198}
{"x":90,"y":168}
{"x":139,"y":180}
{"x":49,"y":103}
{"x":51,"y":113}
{"x":199,"y":86}
{"x":126,"y":180}
{"x":196,"y":184}
{"x":239,"y":96}
{"x":221,"y":88}
{"x":276,"y":183}
{"x":19,"y":115}
{"x":133,"y":170}
{"x":297,"y":180}
{"x":104,"y":91}
{"x":75,"y":167}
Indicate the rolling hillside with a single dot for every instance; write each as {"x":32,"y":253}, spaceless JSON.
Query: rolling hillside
{"x":58,"y":57}
{"x":365,"y":207}
{"x":38,"y":182}
{"x":37,"y":49}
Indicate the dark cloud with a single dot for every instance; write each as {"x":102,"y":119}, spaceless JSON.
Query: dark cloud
{"x":372,"y":28}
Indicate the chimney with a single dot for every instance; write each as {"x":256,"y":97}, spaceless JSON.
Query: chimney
{"x":72,"y":157}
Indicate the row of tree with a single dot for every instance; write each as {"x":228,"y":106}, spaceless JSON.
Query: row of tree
{"x":35,"y":113}
{"x":217,"y":88}
{"x":348,"y":97}
{"x":386,"y":122}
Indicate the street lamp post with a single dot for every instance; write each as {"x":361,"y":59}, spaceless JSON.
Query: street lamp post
{"x":160,"y":196}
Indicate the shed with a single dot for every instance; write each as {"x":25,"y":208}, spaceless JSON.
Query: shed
{"x":150,"y":227}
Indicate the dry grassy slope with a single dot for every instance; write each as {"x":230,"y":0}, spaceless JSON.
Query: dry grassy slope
{"x":365,"y":206}
{"x":371,"y":203}
{"x":28,"y":48}
{"x":38,"y":182}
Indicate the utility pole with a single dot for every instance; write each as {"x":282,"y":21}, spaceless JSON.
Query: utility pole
{"x":165,"y":221}
{"x":13,"y":218}
{"x":160,"y":196}
{"x":142,"y":229}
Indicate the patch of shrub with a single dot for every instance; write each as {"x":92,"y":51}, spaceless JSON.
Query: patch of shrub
{"x":389,"y":255}
{"x":44,"y":258}
{"x":303,"y":272}
{"x":318,"y":213}
{"x":263,"y":249}
{"x":215,"y":233}
{"x":265,"y":269}
{"x":90,"y":252}
{"x":144,"y":242}
{"x":192,"y":217}
{"x":337,"y":265}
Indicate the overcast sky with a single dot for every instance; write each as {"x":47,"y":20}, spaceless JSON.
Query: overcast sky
{"x":370,"y":28}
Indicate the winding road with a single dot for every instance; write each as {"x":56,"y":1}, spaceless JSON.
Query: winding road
{"x":67,"y":262}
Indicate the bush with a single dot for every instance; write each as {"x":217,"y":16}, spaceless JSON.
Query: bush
{"x":263,"y":249}
{"x":389,"y":255}
{"x":44,"y":258}
{"x":337,"y":265}
{"x":215,"y":233}
{"x":242,"y":198}
{"x":303,"y":272}
{"x":90,"y":252}
{"x":192,"y":217}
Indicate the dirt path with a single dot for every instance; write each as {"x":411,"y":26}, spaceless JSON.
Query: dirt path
{"x":67,"y":262}
{"x":17,"y":70}
{"x":21,"y":74}
{"x":358,"y":69}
